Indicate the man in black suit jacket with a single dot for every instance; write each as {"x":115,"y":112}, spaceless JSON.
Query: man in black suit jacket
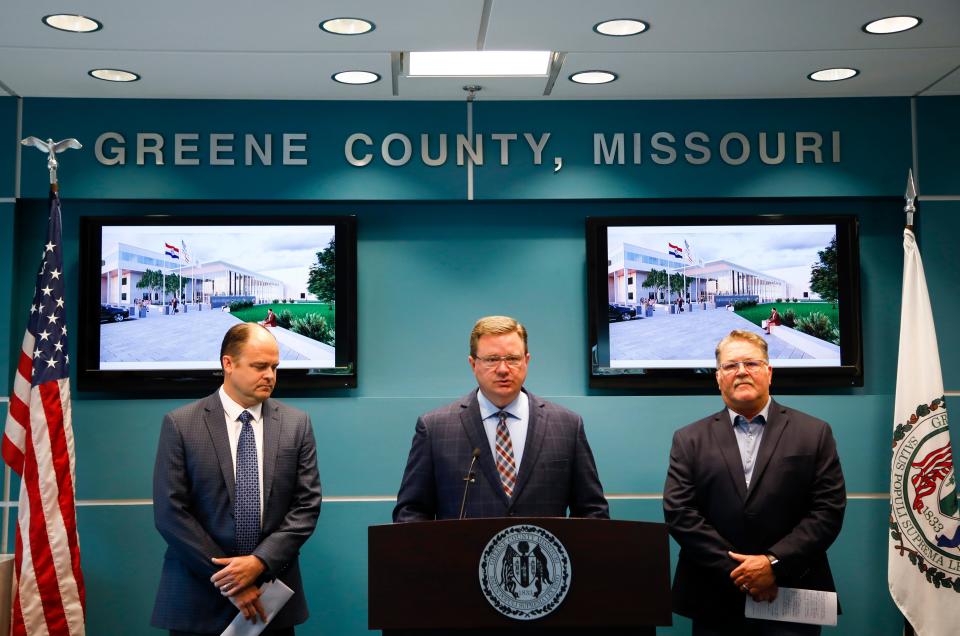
{"x":532,"y":456}
{"x":206,"y":579}
{"x":753,"y":505}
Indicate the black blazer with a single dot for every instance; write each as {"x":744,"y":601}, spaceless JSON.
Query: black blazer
{"x":557,"y":471}
{"x":793,"y":508}
{"x":193,"y":492}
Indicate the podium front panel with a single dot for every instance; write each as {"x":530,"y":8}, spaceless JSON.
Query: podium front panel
{"x":426,"y":575}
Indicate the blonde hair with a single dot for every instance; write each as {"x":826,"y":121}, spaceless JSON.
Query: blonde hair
{"x":496,"y":326}
{"x":746,"y":336}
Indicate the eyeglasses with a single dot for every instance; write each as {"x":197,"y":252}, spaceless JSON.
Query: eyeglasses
{"x":751,"y":366}
{"x":492,"y":362}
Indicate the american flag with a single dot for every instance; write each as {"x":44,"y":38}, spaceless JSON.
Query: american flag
{"x":49,"y":594}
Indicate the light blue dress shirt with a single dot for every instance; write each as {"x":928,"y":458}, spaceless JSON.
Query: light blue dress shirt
{"x":749,"y":434}
{"x":519,"y":411}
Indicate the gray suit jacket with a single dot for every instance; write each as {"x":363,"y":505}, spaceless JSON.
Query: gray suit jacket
{"x":557,"y":472}
{"x":793,"y":508}
{"x":193,"y":492}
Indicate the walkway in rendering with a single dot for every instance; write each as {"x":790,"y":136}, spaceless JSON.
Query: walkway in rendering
{"x":191,"y":336}
{"x":689,"y":335}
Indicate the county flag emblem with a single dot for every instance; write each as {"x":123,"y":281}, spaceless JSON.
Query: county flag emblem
{"x":48,"y":590}
{"x":924,"y":544}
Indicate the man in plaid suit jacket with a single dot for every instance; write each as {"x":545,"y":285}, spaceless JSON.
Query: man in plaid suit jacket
{"x":542,"y":466}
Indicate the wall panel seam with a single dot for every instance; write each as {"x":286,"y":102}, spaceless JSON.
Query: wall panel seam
{"x":861,"y":496}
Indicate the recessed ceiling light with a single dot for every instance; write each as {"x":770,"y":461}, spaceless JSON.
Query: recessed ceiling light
{"x":621,"y":27}
{"x":593,"y":77}
{"x":113,"y":75}
{"x":355,"y":77}
{"x":72,"y":23}
{"x":478,"y":63}
{"x":347,"y":26}
{"x":893,"y":24}
{"x":833,"y":74}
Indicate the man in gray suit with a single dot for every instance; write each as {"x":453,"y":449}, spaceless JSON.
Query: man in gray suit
{"x":754,"y":496}
{"x":532,"y":456}
{"x":236,"y":493}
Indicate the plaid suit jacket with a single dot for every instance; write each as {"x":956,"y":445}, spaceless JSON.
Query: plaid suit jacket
{"x":193,"y":492}
{"x":557,"y":474}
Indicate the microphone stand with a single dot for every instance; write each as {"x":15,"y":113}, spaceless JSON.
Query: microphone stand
{"x":468,"y":479}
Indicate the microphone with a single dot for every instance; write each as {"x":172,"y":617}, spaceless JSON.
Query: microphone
{"x":468,"y":479}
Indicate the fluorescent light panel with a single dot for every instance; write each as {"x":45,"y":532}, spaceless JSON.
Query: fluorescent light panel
{"x":479,"y":63}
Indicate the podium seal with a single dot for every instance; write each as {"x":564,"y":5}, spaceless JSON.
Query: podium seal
{"x":525,"y":572}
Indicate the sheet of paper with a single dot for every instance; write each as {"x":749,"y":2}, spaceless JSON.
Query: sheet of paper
{"x":275,"y":595}
{"x":796,"y":606}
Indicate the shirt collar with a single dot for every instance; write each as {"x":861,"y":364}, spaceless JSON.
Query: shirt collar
{"x":233,"y":410}
{"x":763,"y":412}
{"x":515,"y":408}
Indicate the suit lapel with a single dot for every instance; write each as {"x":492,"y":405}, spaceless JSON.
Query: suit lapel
{"x":473,"y":426}
{"x":215,"y":421}
{"x":271,"y":446}
{"x":772,"y":432}
{"x":536,"y":428}
{"x":726,"y":440}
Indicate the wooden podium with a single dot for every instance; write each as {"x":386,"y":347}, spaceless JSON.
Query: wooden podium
{"x":425,"y":577}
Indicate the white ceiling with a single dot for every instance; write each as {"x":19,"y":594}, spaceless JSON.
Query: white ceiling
{"x":694,"y":49}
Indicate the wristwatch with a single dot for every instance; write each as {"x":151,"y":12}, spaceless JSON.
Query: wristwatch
{"x":774,"y":565}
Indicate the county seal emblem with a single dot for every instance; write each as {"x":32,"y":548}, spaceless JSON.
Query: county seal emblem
{"x":924,"y":520}
{"x":525,"y":572}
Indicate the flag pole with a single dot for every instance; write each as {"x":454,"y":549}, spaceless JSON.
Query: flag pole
{"x":54,"y":584}
{"x":911,"y":196}
{"x":51,"y":149}
{"x":910,"y":209}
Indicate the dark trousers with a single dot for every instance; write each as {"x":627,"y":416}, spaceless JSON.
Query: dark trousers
{"x":755,"y":627}
{"x":283,"y":631}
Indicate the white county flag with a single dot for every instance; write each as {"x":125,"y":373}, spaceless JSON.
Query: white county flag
{"x":923,"y":566}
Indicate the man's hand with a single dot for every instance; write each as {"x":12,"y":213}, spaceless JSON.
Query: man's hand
{"x":240,"y":572}
{"x":754,"y":576}
{"x":247,"y":601}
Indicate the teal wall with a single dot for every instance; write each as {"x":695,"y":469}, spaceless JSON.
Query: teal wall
{"x":431,"y":263}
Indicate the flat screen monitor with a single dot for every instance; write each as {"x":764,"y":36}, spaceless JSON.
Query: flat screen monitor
{"x":663,"y":291}
{"x":157,"y":294}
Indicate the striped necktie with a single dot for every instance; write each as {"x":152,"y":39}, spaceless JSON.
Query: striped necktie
{"x":246,"y":503}
{"x":506,"y":465}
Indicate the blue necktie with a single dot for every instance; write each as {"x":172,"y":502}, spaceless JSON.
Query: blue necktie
{"x":246,"y":505}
